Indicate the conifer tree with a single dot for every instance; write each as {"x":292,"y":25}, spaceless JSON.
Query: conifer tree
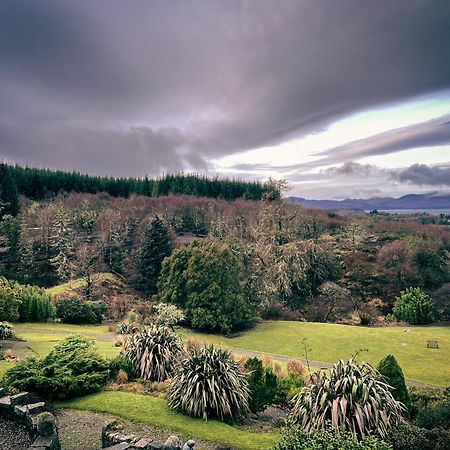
{"x":390,"y":369}
{"x":9,"y":195}
{"x":62,"y":243}
{"x":156,"y":245}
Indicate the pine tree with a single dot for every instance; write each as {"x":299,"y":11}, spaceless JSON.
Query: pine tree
{"x":9,"y":195}
{"x":156,"y":245}
{"x":390,"y":369}
{"x":62,"y":243}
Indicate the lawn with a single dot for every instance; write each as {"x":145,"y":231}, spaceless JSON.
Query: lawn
{"x":154,"y":411}
{"x":330,"y":342}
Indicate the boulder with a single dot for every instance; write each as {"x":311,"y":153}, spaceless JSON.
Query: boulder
{"x":173,"y":443}
{"x":45,"y":424}
{"x":20,"y":399}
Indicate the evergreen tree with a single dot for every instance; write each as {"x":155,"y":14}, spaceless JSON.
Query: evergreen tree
{"x":156,"y":245}
{"x":62,"y":243}
{"x":9,"y":195}
{"x":389,"y":368}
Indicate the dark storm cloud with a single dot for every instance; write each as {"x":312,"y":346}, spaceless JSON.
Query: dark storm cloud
{"x":422,"y":174}
{"x":222,"y":76}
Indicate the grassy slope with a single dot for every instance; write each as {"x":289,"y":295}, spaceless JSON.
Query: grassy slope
{"x":330,"y":342}
{"x":75,"y":284}
{"x":154,"y":411}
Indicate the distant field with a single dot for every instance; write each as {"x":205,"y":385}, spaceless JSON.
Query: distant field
{"x":330,"y":342}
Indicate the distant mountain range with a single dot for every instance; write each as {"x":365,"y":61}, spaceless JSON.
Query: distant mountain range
{"x":410,"y":201}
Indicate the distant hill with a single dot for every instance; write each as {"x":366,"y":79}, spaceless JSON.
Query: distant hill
{"x":410,"y":201}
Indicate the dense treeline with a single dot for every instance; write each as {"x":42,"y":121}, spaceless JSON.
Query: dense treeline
{"x":43,"y":183}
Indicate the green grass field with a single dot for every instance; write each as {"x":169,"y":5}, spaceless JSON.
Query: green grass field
{"x":331,"y":342}
{"x":154,"y":411}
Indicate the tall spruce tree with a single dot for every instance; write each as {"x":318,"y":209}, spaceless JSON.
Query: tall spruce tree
{"x":9,"y":195}
{"x":390,"y":369}
{"x":156,"y":245}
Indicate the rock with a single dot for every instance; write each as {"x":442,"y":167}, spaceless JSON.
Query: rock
{"x":20,"y":399}
{"x":172,"y":443}
{"x":5,"y":403}
{"x":32,"y":422}
{"x":45,"y":424}
{"x":20,"y":411}
{"x":122,"y":446}
{"x":142,"y":443}
{"x":35,"y":408}
{"x":189,"y":445}
{"x":48,"y":442}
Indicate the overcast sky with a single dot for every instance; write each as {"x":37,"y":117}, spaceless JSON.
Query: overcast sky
{"x":343,"y":98}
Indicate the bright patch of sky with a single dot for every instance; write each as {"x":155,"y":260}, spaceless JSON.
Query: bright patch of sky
{"x":355,"y":127}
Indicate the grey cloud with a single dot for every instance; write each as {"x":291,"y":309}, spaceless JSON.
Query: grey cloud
{"x":236,"y":75}
{"x":422,"y":174}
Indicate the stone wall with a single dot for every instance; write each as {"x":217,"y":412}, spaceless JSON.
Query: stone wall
{"x":27,"y":409}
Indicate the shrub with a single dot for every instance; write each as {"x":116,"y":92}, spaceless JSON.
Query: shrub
{"x":36,"y":305}
{"x":414,"y":307}
{"x":79,"y":311}
{"x":209,"y":383}
{"x":296,"y":367}
{"x":6,"y":331}
{"x":121,"y":363}
{"x":298,"y":439}
{"x":71,"y":369}
{"x":430,"y":407}
{"x":9,"y":301}
{"x":153,"y":352}
{"x":353,"y":398}
{"x":411,"y":437}
{"x":167,"y":315}
{"x":262,"y":384}
{"x":392,"y":372}
{"x":288,"y":387}
{"x":127,"y":328}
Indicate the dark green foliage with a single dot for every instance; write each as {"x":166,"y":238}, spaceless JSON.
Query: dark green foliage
{"x":430,"y":407}
{"x":36,"y":305}
{"x":121,"y":363}
{"x":432,"y":266}
{"x":9,"y":195}
{"x":43,"y":183}
{"x":389,"y":368}
{"x":79,"y":311}
{"x":262,"y":383}
{"x":411,"y":437}
{"x":71,"y":369}
{"x":414,"y":307}
{"x":327,"y":439}
{"x":209,"y":383}
{"x":9,"y":301}
{"x":206,"y":281}
{"x":288,"y":387}
{"x":156,"y":245}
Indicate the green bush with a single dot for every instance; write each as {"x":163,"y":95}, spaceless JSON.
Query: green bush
{"x":121,"y":363}
{"x":78,"y":311}
{"x":9,"y":301}
{"x":327,"y":439}
{"x":262,"y":384}
{"x":153,"y":352}
{"x":414,"y":307}
{"x":71,"y":369}
{"x":352,"y":398}
{"x":6,"y":331}
{"x":36,"y":305}
{"x":288,"y":387}
{"x":392,"y":372}
{"x":411,"y":437}
{"x":430,"y":407}
{"x":209,"y":383}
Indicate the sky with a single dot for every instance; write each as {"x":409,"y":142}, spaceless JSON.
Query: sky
{"x":347,"y":98}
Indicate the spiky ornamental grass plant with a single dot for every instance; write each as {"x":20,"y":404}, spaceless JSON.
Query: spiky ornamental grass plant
{"x":209,"y":383}
{"x":354,"y":398}
{"x":153,"y":352}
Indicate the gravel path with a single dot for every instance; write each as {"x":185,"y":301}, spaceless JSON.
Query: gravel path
{"x":13,"y":436}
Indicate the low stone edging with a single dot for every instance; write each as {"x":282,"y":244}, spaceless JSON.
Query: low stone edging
{"x":114,"y":439}
{"x":27,"y":409}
